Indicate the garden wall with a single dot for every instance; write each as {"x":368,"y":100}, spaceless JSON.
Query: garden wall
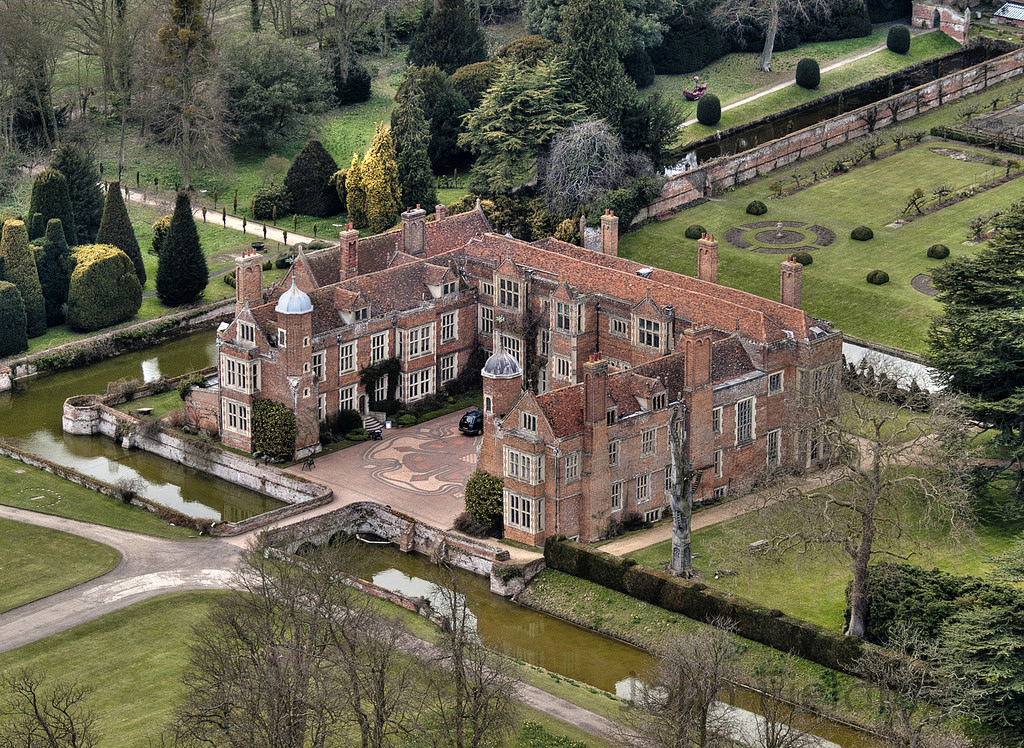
{"x":88,"y":414}
{"x":729,"y":171}
{"x":702,"y":603}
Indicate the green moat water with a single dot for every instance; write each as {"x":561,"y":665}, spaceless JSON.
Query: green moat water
{"x":31,"y":417}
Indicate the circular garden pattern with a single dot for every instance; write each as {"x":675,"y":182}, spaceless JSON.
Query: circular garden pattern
{"x":780,"y":237}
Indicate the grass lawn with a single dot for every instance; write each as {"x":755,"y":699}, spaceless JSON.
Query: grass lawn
{"x":161,"y":404}
{"x":733,"y":77}
{"x":834,"y":286}
{"x":37,"y":561}
{"x":813,"y":586}
{"x":22,"y":483}
{"x":135,"y":692}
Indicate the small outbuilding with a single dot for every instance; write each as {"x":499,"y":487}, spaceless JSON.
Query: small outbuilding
{"x":1010,"y":14}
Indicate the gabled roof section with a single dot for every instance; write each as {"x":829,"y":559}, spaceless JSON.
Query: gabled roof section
{"x":729,"y":359}
{"x":325,"y":265}
{"x":563,"y":410}
{"x":668,"y":370}
{"x":455,"y":231}
{"x":435,"y":275}
{"x":301,"y":272}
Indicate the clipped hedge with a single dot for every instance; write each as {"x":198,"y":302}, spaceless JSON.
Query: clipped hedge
{"x":709,"y":110}
{"x":804,"y":258}
{"x":273,"y":429}
{"x":808,"y":74}
{"x":694,"y":231}
{"x":862,"y":234}
{"x":756,"y":208}
{"x":938,"y":251}
{"x":104,"y":288}
{"x":267,"y":198}
{"x":878,"y":277}
{"x":702,"y":603}
{"x":898,"y":39}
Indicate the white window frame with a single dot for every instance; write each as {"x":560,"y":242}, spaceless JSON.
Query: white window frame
{"x":487,"y":288}
{"x":236,"y":417}
{"x":419,"y":384}
{"x":563,"y":368}
{"x":716,"y":420}
{"x":419,"y":341}
{"x":449,"y":326}
{"x":773,"y":447}
{"x":513,"y":346}
{"x":721,"y":492}
{"x":746,"y":431}
{"x":361,"y":315}
{"x":524,"y":512}
{"x":449,"y":288}
{"x":618,"y":326}
{"x":719,"y":458}
{"x":613,"y":452}
{"x":449,"y":367}
{"x":775,"y":383}
{"x":379,"y":347}
{"x":347,"y":398}
{"x":321,"y":407}
{"x":347,"y":357}
{"x":616,"y":495}
{"x":643,"y":488}
{"x":380,"y":388}
{"x":528,"y":421}
{"x":247,"y":333}
{"x":652,"y":515}
{"x":563,"y":316}
{"x":571,"y":467}
{"x":282,"y":338}
{"x":659,"y":401}
{"x":319,"y":367}
{"x":523,"y":467}
{"x":509,"y":295}
{"x":486,"y":320}
{"x":240,"y":375}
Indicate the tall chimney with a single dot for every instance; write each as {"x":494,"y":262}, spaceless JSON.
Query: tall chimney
{"x":248,"y":279}
{"x":414,"y":231}
{"x":610,"y":234}
{"x":595,"y":390}
{"x":790,"y":283}
{"x":707,"y":259}
{"x":349,"y":252}
{"x":440,"y":211}
{"x":583,"y":229}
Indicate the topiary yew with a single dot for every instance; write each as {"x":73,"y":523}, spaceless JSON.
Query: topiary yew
{"x":12,"y":320}
{"x":104,"y":288}
{"x":938,"y":251}
{"x":484,"y":497}
{"x":380,"y":182}
{"x":709,"y":110}
{"x":273,"y":429}
{"x":181,"y":272}
{"x":309,"y":182}
{"x":160,"y":226}
{"x":804,"y":258}
{"x":50,"y":199}
{"x":862,"y":234}
{"x":267,"y":198}
{"x":808,"y":74}
{"x":898,"y":39}
{"x":116,"y":229}
{"x":54,"y":266}
{"x":83,"y":180}
{"x":694,"y":231}
{"x":878,"y":277}
{"x":756,"y":208}
{"x":20,"y":269}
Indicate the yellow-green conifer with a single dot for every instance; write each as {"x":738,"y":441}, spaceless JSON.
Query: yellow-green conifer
{"x":355,"y":194}
{"x":380,"y":181}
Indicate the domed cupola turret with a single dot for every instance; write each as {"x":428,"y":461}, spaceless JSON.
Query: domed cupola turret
{"x":294,"y":301}
{"x":500,"y":365}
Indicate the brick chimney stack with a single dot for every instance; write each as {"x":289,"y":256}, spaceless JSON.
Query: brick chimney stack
{"x":595,"y":388}
{"x":349,"y":252}
{"x":414,"y":231}
{"x":248,"y":279}
{"x":440,"y":212}
{"x":707,"y":259}
{"x":791,"y":283}
{"x":610,"y":234}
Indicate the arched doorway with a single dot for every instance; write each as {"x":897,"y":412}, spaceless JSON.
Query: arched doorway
{"x":362,"y":405}
{"x":936,"y":19}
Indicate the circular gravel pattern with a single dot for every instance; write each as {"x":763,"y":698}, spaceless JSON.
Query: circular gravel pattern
{"x":779,"y":237}
{"x":922,"y":283}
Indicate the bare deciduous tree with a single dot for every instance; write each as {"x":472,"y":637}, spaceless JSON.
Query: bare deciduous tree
{"x":778,"y":697}
{"x":34,"y":714}
{"x":676,"y":703}
{"x":891,"y":468}
{"x":766,"y":17}
{"x":585,"y":161}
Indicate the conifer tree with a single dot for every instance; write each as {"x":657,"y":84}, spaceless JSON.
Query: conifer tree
{"x":355,"y":194}
{"x":50,"y":198}
{"x":444,"y":107}
{"x":54,"y":266}
{"x":116,"y":229}
{"x":104,"y":288}
{"x":309,"y":182}
{"x":449,"y":37}
{"x":20,"y":269}
{"x":410,"y":133}
{"x":12,"y":320}
{"x":83,"y":180}
{"x":380,"y":181}
{"x":181,"y":272}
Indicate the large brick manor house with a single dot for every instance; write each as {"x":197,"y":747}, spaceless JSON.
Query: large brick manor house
{"x":590,"y":352}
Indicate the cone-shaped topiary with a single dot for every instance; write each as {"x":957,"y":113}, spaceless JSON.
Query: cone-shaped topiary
{"x":20,"y":269}
{"x":160,"y":226}
{"x":898,"y":39}
{"x":104,"y":288}
{"x":694,"y":231}
{"x":709,"y":110}
{"x":116,"y":230}
{"x":50,"y":198}
{"x":55,"y":271}
{"x":181,"y":273}
{"x":309,"y":182}
{"x":83,"y":178}
{"x":808,"y":74}
{"x":12,"y":320}
{"x":380,"y":180}
{"x":356,"y":194}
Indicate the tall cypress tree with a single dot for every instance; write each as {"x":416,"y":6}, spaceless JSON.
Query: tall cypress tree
{"x":50,"y":199}
{"x":20,"y":269}
{"x":380,"y":180}
{"x":309,"y":182}
{"x":116,"y":229}
{"x":55,"y":271}
{"x":410,"y":133}
{"x":449,"y":38}
{"x":83,"y":179}
{"x":12,"y":320}
{"x":181,"y":272}
{"x":355,"y":202}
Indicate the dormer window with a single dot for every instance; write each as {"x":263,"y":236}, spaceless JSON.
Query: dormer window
{"x":648,"y":333}
{"x":563,"y":318}
{"x":508,"y":293}
{"x":528,"y":422}
{"x":361,"y":315}
{"x":247,"y":332}
{"x":449,"y":288}
{"x":612,"y":416}
{"x":658,"y":401}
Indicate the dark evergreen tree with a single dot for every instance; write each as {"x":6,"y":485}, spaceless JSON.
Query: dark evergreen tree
{"x":181,"y":273}
{"x":116,"y":229}
{"x":443,"y":107}
{"x":20,"y":269}
{"x":449,"y":37}
{"x":12,"y":320}
{"x":50,"y":199}
{"x":410,"y":133}
{"x":594,"y":38}
{"x":83,"y":178}
{"x":309,"y":182}
{"x":104,"y":289}
{"x":55,"y":271}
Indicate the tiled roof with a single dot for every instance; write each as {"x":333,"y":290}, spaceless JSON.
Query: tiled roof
{"x":625,"y":387}
{"x":729,"y":359}
{"x":1013,"y":11}
{"x":668,"y":369}
{"x":563,"y":408}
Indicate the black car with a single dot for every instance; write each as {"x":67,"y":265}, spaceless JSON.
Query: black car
{"x":473,"y":422}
